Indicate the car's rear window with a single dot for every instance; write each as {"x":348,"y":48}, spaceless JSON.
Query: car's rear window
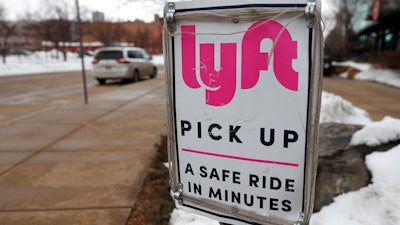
{"x":109,"y":55}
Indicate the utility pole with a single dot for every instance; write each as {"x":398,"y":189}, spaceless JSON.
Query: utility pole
{"x":81,"y":52}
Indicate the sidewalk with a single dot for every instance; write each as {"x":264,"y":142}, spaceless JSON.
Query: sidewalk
{"x":379,"y":100}
{"x":79,"y":164}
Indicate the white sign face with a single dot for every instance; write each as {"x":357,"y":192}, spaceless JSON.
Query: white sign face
{"x":241,"y":115}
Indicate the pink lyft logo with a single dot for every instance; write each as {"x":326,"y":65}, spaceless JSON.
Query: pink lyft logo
{"x":221,"y":85}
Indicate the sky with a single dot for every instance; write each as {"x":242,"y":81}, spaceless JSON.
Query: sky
{"x":115,"y":10}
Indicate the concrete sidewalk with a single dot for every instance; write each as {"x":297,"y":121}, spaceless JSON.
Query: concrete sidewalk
{"x":377,"y":99}
{"x":78,"y":164}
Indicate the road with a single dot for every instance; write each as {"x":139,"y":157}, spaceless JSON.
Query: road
{"x":63,"y":162}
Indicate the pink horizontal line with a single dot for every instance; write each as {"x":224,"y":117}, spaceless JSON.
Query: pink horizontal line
{"x":241,"y":158}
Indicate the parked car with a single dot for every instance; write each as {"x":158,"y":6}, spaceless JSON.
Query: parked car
{"x":23,"y":52}
{"x":122,"y":63}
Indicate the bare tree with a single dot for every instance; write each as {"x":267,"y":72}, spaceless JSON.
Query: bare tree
{"x":107,"y":32}
{"x":55,"y":26}
{"x":142,"y":37}
{"x":7,"y":29}
{"x":341,"y":40}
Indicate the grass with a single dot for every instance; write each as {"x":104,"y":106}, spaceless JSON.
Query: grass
{"x":154,"y":203}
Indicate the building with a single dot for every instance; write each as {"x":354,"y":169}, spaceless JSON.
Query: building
{"x":97,"y":16}
{"x":385,"y":27}
{"x":381,"y":37}
{"x":133,"y":33}
{"x":95,"y":35}
{"x":21,"y":38}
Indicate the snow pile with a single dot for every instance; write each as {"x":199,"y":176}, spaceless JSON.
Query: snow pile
{"x":384,"y":76}
{"x":158,"y":59}
{"x":359,"y":66}
{"x":369,"y":73}
{"x":378,"y":203}
{"x":180,"y":217}
{"x":42,"y":62}
{"x":336,"y":109}
{"x":47,"y":62}
{"x":378,"y":133}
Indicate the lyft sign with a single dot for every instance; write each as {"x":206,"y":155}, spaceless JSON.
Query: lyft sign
{"x":243,"y":109}
{"x":221,"y":85}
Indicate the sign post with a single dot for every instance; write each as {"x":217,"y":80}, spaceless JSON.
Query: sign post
{"x":243,"y":81}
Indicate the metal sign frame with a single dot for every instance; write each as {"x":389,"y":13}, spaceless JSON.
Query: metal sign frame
{"x":184,"y":23}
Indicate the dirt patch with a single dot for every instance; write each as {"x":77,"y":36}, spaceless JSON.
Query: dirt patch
{"x":154,"y":203}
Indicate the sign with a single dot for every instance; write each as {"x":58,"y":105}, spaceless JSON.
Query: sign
{"x":243,"y":80}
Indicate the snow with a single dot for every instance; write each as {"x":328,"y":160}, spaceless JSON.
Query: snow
{"x":378,"y":203}
{"x":336,"y":109}
{"x":378,"y":133}
{"x":359,"y":66}
{"x":369,"y":73}
{"x":47,"y":62}
{"x":180,"y":217}
{"x":158,"y":59}
{"x":42,"y":62}
{"x":385,"y":76}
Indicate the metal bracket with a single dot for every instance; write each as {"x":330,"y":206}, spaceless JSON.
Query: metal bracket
{"x":177,"y":194}
{"x":300,"y":220}
{"x":169,"y":16}
{"x":310,"y":13}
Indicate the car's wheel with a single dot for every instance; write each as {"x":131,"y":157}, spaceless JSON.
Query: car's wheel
{"x":136,"y":75}
{"x":154,"y":73}
{"x":101,"y":81}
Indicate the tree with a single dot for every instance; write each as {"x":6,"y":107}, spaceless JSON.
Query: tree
{"x":107,"y":32}
{"x":7,"y":29}
{"x":55,"y":26}
{"x":142,"y":37}
{"x":341,"y":40}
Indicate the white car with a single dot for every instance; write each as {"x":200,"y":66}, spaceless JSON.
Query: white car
{"x":122,"y":63}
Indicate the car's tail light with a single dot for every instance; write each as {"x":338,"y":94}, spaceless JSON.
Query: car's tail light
{"x":122,"y":61}
{"x":95,"y":61}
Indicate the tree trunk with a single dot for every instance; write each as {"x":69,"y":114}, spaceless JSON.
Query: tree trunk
{"x":3,"y":54}
{"x":64,"y":55}
{"x":56,"y":47}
